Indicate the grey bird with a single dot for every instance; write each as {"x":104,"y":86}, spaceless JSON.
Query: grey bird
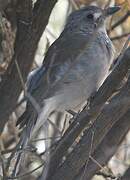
{"x":74,"y":67}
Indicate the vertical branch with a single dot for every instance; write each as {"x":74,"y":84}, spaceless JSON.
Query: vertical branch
{"x":30,"y":28}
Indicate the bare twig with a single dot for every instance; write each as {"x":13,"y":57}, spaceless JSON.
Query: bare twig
{"x":96,"y":162}
{"x":28,"y":173}
{"x":120,"y":21}
{"x":120,"y":37}
{"x":107,"y":3}
{"x":106,"y":175}
{"x":7,"y":151}
{"x":76,"y":6}
{"x":44,"y":139}
{"x":2,"y":165}
{"x":91,"y":145}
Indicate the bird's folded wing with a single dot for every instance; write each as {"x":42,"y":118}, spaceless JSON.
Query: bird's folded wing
{"x":59,"y":59}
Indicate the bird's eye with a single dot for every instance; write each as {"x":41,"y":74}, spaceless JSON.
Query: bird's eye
{"x":90,"y":16}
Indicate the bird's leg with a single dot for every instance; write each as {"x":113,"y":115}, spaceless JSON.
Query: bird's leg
{"x":74,"y":114}
{"x":90,"y":99}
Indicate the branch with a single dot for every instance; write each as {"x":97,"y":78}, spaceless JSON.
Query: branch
{"x":107,"y":148}
{"x":83,"y":119}
{"x":110,"y":114}
{"x":30,"y":29}
{"x":28,"y":173}
{"x":120,"y":21}
{"x":106,"y":176}
{"x":119,"y":37}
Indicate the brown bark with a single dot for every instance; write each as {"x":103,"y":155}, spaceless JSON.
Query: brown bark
{"x":30,"y":28}
{"x":107,"y":148}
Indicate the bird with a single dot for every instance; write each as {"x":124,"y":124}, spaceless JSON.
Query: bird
{"x":74,"y":68}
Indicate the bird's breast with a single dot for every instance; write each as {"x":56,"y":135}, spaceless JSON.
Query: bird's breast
{"x":83,"y":77}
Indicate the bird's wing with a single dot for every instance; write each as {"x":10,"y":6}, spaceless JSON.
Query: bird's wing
{"x":60,"y":56}
{"x":34,"y":79}
{"x":58,"y":60}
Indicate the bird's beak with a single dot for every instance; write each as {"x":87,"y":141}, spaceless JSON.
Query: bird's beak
{"x":111,"y":10}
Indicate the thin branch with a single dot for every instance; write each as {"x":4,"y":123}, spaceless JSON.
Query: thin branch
{"x":120,"y":36}
{"x":7,"y":151}
{"x":108,"y":147}
{"x":106,"y":175}
{"x":45,"y":139}
{"x":28,"y":173}
{"x":96,"y":162}
{"x":120,"y":21}
{"x":74,"y":4}
{"x":2,"y":165}
{"x":90,"y":152}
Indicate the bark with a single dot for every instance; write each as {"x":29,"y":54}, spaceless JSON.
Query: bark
{"x":106,"y":149}
{"x":30,"y":28}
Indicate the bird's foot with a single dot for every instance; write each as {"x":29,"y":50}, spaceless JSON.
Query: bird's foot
{"x":90,"y":99}
{"x":74,"y":114}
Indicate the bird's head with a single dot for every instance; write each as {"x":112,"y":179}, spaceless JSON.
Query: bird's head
{"x":89,"y":18}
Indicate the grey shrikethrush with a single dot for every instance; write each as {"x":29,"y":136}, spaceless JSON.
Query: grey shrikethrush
{"x":74,"y":67}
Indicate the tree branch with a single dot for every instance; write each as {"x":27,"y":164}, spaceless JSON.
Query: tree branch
{"x":83,"y":119}
{"x":120,"y":21}
{"x":120,"y":36}
{"x":30,"y":29}
{"x":107,"y":148}
{"x":110,"y":114}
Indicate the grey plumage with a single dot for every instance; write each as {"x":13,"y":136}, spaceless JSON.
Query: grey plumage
{"x":74,"y":67}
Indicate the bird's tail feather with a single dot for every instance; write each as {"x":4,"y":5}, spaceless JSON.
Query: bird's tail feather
{"x":23,"y":119}
{"x":31,"y":123}
{"x":19,"y":152}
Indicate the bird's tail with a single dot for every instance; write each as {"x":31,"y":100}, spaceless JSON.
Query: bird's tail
{"x":19,"y":153}
{"x":31,"y":123}
{"x":23,"y":120}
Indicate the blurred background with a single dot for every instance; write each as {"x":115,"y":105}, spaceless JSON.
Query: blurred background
{"x":118,"y":28}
